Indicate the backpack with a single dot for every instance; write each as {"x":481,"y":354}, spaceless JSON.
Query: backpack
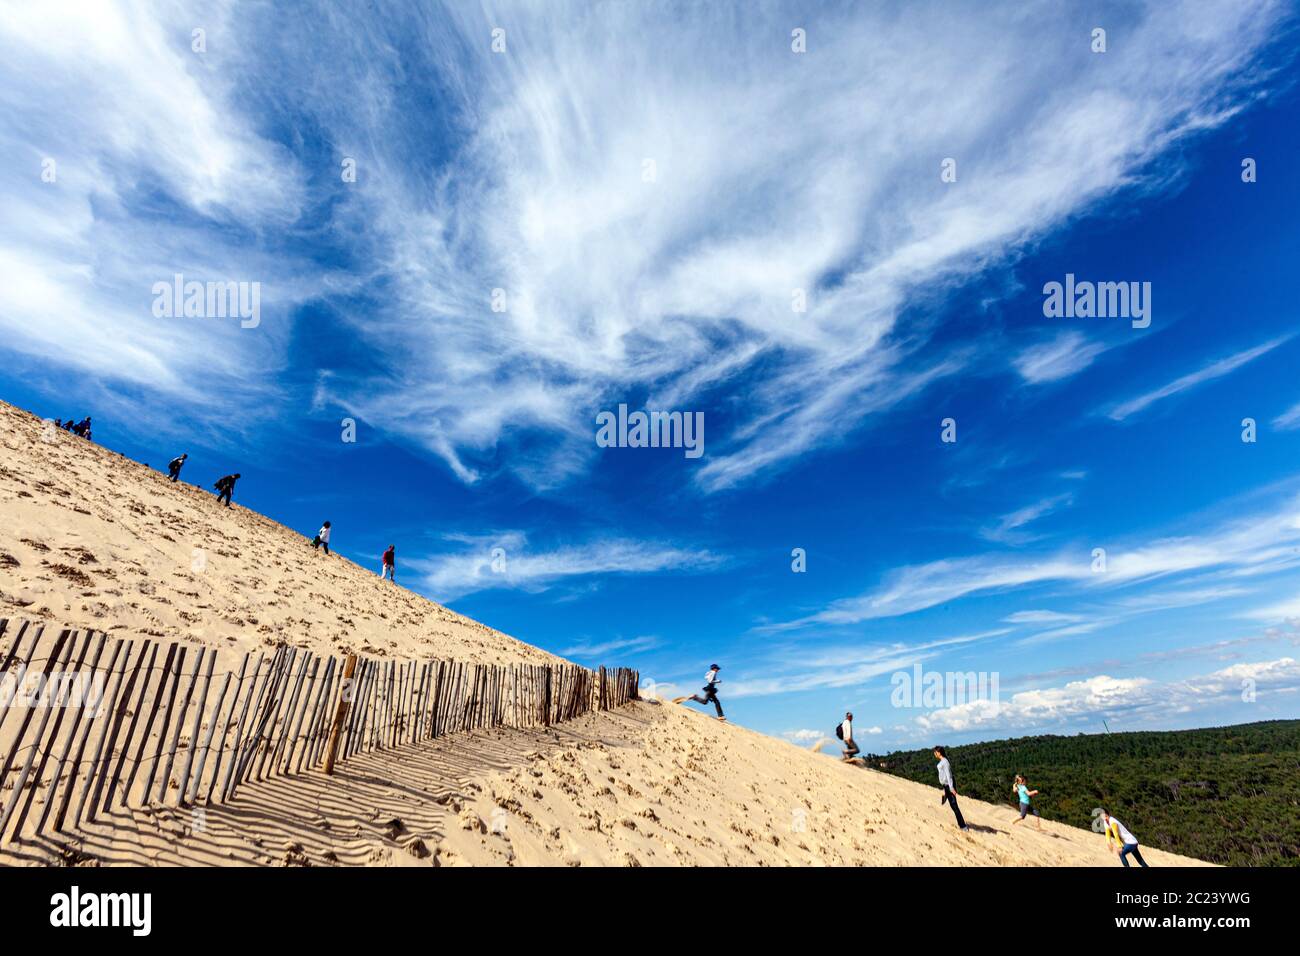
{"x":839,"y":731}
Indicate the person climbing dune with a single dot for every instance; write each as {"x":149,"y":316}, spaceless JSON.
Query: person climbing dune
{"x":322,"y":539}
{"x":710,"y":688}
{"x":1119,"y":840}
{"x":845,"y":732}
{"x":949,"y":787}
{"x":1021,"y":789}
{"x":175,"y":465}
{"x":389,"y":567}
{"x":226,"y":487}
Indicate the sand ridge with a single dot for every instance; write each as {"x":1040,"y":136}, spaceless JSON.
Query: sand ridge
{"x":92,"y":539}
{"x":651,"y":784}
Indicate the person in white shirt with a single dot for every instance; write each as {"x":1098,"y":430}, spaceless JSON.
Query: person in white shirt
{"x":710,"y":692}
{"x":1119,"y":840}
{"x":322,"y":539}
{"x":949,"y":788}
{"x":846,"y":734}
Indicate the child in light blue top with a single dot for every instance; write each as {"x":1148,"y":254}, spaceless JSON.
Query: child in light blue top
{"x":1026,"y":807}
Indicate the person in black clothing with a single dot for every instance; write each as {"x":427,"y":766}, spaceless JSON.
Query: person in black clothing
{"x":710,"y":692}
{"x":949,"y":788}
{"x":226,"y":487}
{"x":174,"y":469}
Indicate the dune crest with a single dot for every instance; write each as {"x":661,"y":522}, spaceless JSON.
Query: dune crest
{"x":90,"y":538}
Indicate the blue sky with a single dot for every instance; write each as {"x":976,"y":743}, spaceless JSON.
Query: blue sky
{"x":649,"y":186}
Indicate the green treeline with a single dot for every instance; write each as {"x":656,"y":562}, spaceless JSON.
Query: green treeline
{"x":1225,"y":794}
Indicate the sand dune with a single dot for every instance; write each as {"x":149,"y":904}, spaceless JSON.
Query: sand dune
{"x":675,"y":787}
{"x":649,"y":785}
{"x":90,"y":539}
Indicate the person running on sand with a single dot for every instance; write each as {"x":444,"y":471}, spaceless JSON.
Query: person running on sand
{"x":1119,"y":840}
{"x":845,"y":732}
{"x":175,"y":466}
{"x":322,"y":539}
{"x":389,"y":567}
{"x":949,"y":788}
{"x":226,"y":487}
{"x":1022,"y":790}
{"x":711,"y":682}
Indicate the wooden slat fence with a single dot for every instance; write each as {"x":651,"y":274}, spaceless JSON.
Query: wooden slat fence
{"x":89,"y":721}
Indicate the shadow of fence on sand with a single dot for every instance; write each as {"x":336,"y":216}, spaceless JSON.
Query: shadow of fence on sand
{"x":98,"y":732}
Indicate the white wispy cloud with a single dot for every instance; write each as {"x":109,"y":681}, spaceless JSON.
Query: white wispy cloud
{"x":1040,"y":617}
{"x":1067,"y":354}
{"x":156,"y":171}
{"x":795,"y":668}
{"x":507,"y":561}
{"x":1007,"y":528}
{"x":804,"y":736}
{"x":1263,"y":543}
{"x":1289,"y":419}
{"x":1209,"y":373}
{"x":649,"y":234}
{"x":1281,"y":611}
{"x":595,"y":649}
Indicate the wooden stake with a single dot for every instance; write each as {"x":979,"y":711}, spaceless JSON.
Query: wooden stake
{"x":302,"y":713}
{"x":54,"y":738}
{"x":116,"y":716}
{"x":130,"y":729}
{"x":341,"y":714}
{"x":48,"y":707}
{"x":196,"y":728}
{"x":225,"y":730}
{"x":178,"y":668}
{"x":239,"y":732}
{"x":191,"y":796}
{"x":180,"y":721}
{"x":93,"y":769}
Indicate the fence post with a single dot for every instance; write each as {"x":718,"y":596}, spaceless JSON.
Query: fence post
{"x":340,"y":714}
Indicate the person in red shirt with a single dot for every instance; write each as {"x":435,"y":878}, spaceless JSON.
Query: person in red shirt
{"x":389,"y":569}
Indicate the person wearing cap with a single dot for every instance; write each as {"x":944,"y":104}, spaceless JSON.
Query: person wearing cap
{"x":1120,"y":841}
{"x":175,"y":466}
{"x":710,"y":692}
{"x":846,"y":734}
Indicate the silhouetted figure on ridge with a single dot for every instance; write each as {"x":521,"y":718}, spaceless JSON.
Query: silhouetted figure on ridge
{"x":226,"y":487}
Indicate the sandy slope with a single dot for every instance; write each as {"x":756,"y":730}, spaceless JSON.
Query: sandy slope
{"x":650,"y":785}
{"x":89,"y":538}
{"x":681,"y":788}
